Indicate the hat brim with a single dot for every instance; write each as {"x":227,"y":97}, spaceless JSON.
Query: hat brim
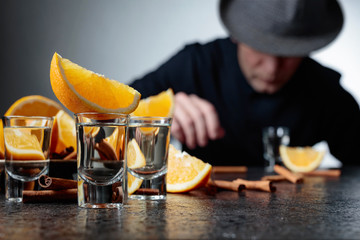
{"x":245,"y":30}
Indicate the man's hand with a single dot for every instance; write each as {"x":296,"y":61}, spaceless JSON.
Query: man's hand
{"x":195,"y":121}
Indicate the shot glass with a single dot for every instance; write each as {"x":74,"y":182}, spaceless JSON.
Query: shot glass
{"x":147,"y":145}
{"x":27,"y":144}
{"x":273,"y":137}
{"x":100,"y":159}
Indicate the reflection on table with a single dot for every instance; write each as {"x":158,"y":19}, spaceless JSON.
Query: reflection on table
{"x":319,"y":208}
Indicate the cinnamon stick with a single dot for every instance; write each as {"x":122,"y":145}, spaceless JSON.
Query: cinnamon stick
{"x":67,"y":195}
{"x":71,"y":155}
{"x":292,"y":177}
{"x":228,"y":185}
{"x":274,"y":178}
{"x":50,"y":183}
{"x":106,"y":151}
{"x":230,"y":169}
{"x":256,"y":185}
{"x":29,"y":185}
{"x":64,"y":153}
{"x":324,"y":173}
{"x":118,"y":194}
{"x":147,"y":191}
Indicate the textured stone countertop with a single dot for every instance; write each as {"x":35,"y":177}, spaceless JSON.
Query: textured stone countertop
{"x":319,"y":208}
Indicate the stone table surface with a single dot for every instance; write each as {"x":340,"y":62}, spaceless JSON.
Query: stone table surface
{"x":319,"y":208}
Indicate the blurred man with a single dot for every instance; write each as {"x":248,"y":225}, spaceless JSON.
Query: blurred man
{"x":229,"y":89}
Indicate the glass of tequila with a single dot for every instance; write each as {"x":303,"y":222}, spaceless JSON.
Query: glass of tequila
{"x":273,"y":137}
{"x":100,"y":159}
{"x":147,"y":145}
{"x":27,"y":144}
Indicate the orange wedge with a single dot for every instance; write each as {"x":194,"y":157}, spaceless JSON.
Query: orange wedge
{"x":81,"y":90}
{"x":22,"y":145}
{"x":161,"y":105}
{"x":185,"y":172}
{"x":135,"y":159}
{"x":116,"y":140}
{"x":301,"y":159}
{"x":90,"y":130}
{"x":34,"y":105}
{"x":64,"y":132}
{"x":2,"y":152}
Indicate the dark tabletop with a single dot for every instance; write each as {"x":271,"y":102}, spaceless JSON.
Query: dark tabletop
{"x":319,"y":208}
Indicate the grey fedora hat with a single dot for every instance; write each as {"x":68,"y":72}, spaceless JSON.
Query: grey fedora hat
{"x":282,"y":27}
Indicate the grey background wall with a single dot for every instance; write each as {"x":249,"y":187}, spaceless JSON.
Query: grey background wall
{"x":124,"y":39}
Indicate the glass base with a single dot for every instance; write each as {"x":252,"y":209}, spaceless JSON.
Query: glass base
{"x":269,"y":169}
{"x":14,"y":200}
{"x":94,"y":196}
{"x":101,"y":205}
{"x":13,"y":189}
{"x":154,"y":189}
{"x":148,"y":197}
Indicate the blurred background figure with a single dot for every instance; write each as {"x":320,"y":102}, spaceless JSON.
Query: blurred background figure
{"x":229,"y":89}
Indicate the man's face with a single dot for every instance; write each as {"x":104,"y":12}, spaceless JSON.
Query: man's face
{"x":266,"y":73}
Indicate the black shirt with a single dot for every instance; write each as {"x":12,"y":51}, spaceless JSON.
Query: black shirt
{"x":313,"y":105}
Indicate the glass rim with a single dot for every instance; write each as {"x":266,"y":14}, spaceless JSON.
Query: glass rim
{"x":149,"y":118}
{"x":28,"y":117}
{"x":158,"y":121}
{"x":100,"y":113}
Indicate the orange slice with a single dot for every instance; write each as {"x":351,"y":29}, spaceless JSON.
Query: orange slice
{"x":81,"y":90}
{"x":64,"y":132}
{"x":185,"y":172}
{"x":135,"y":159}
{"x":80,"y":188}
{"x":161,"y":105}
{"x":22,"y":145}
{"x":116,"y":140}
{"x":2,"y":152}
{"x":34,"y":105}
{"x":90,"y":130}
{"x":301,"y":159}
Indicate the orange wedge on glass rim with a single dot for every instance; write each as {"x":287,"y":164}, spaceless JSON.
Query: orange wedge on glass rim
{"x":301,"y":159}
{"x":160,"y":105}
{"x":185,"y":172}
{"x":22,"y":145}
{"x":81,"y":90}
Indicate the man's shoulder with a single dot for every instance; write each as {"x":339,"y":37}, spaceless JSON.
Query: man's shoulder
{"x":324,"y":83}
{"x":321,"y":72}
{"x":216,"y":45}
{"x":212,"y":42}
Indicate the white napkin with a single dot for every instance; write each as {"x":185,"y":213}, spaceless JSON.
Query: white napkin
{"x":329,"y":160}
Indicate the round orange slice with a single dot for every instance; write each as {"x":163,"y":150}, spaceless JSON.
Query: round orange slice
{"x":34,"y":105}
{"x":22,"y":145}
{"x":81,"y":90}
{"x":160,"y":105}
{"x":301,"y":159}
{"x":135,"y":159}
{"x":185,"y":172}
{"x":63,"y":133}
